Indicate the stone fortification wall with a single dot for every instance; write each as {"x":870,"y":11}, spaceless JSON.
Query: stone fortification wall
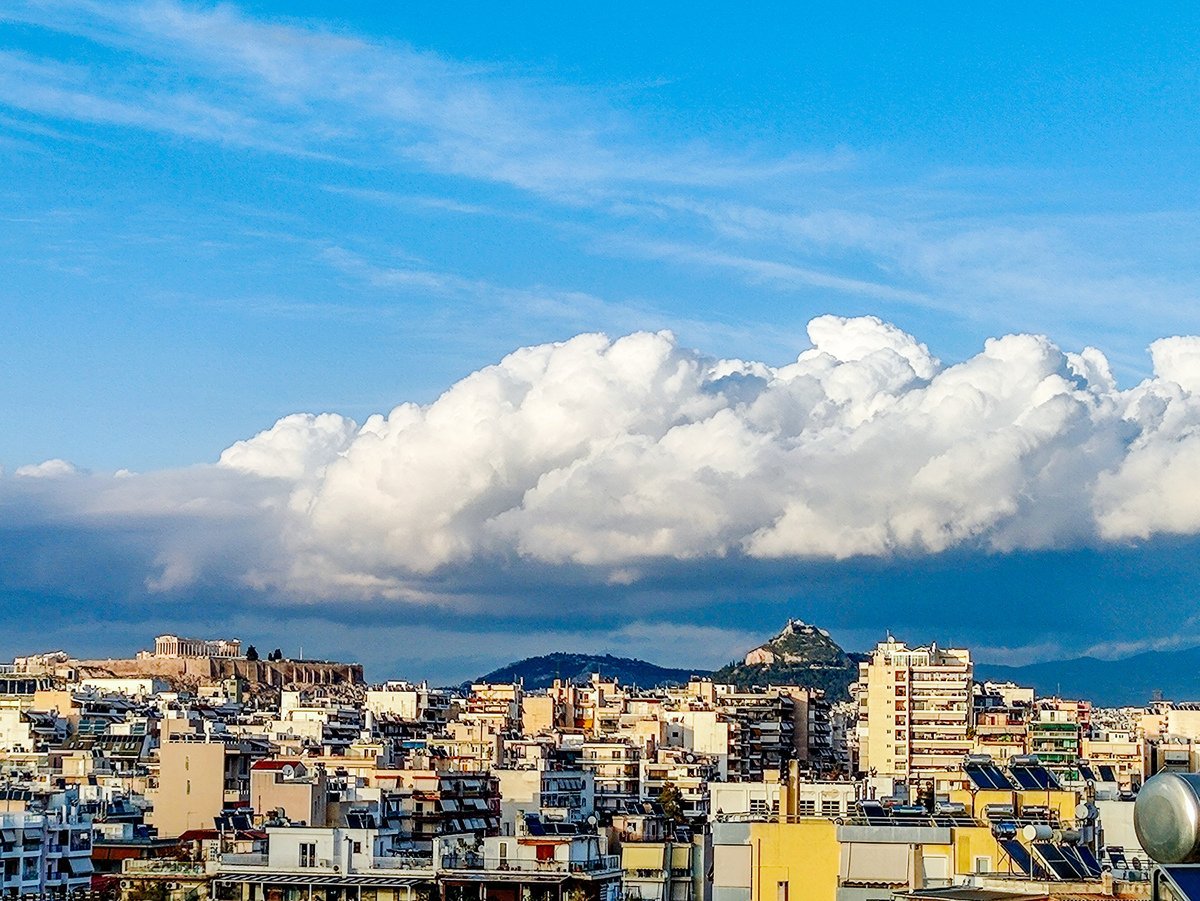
{"x":200,"y":670}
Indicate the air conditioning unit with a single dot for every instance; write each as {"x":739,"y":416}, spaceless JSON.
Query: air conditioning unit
{"x":173,"y":885}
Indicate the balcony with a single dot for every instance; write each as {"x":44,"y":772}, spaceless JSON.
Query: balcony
{"x":608,"y":864}
{"x":243,"y":860}
{"x":162,"y":867}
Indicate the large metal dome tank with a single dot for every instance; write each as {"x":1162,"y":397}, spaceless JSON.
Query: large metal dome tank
{"x":1166,"y":817}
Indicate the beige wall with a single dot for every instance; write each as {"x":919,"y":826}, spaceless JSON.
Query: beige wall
{"x":301,"y":800}
{"x":537,"y":714}
{"x":191,"y":786}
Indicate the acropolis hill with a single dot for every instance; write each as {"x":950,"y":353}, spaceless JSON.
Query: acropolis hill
{"x":187,"y":662}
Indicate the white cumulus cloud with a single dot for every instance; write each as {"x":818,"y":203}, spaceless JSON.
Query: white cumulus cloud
{"x":607,"y":453}
{"x":614,"y":456}
{"x":47,"y":469}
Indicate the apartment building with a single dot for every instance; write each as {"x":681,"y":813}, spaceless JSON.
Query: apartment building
{"x":498,"y":704}
{"x":46,"y":847}
{"x":1121,"y":753}
{"x":687,"y":772}
{"x":538,"y":864}
{"x":316,"y":862}
{"x":555,"y":795}
{"x":453,"y":803}
{"x":198,"y":777}
{"x":915,"y":710}
{"x":1056,"y":734}
{"x":290,"y":789}
{"x":616,"y":768}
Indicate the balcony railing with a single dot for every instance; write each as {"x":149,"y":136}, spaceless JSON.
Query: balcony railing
{"x":406,"y":862}
{"x":604,"y":863}
{"x":165,"y":867}
{"x":244,"y":860}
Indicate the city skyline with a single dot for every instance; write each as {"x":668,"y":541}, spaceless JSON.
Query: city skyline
{"x":442,"y":343}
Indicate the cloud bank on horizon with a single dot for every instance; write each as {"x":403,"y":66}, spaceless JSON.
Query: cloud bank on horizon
{"x":610,"y":456}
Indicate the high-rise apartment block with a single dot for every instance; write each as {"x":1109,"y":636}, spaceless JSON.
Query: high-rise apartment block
{"x":914,"y":710}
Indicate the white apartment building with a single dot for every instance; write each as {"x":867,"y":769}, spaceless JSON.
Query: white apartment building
{"x":42,"y":853}
{"x":914,"y":710}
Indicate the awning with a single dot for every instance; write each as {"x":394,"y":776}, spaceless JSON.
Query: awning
{"x":9,"y":835}
{"x":317,"y":879}
{"x":79,"y":866}
{"x":874,"y":862}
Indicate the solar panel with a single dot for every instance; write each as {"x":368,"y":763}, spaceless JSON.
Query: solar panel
{"x":1087,"y":772}
{"x":1186,"y":879}
{"x":533,"y":824}
{"x":1071,"y":853}
{"x":1116,"y":857}
{"x":1107,"y":774}
{"x":1018,"y":855}
{"x":987,"y":776}
{"x":1058,"y":863}
{"x":1034,"y":778}
{"x":1089,"y":860}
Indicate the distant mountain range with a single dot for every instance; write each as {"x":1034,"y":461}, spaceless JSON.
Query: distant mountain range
{"x":799,"y":655}
{"x":1129,"y":681}
{"x":805,"y":655}
{"x":540,"y":672}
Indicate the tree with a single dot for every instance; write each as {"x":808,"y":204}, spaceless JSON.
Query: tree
{"x":671,"y":800}
{"x":926,"y":797}
{"x":275,"y":655}
{"x":252,"y":653}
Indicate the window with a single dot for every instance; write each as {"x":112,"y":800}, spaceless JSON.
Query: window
{"x":308,"y":854}
{"x":830,"y":807}
{"x":358,"y":847}
{"x":758,"y":805}
{"x":806,"y":808}
{"x":781,"y":891}
{"x":983,"y":865}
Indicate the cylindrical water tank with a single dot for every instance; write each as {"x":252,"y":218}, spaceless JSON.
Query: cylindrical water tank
{"x":1037,"y":832}
{"x":1166,"y":817}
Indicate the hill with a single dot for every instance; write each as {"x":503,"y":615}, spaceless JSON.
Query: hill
{"x":540,"y":672}
{"x":799,"y":655}
{"x":1130,"y":681}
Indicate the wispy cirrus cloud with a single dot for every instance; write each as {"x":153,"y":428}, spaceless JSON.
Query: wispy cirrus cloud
{"x":972,"y":244}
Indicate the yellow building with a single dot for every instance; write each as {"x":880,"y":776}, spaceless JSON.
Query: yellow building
{"x":812,"y":859}
{"x":660,"y":871}
{"x":914,"y":710}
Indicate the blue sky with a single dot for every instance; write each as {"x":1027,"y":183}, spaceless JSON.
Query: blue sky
{"x":214,"y":216}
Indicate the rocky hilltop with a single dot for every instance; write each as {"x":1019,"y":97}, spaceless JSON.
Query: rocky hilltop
{"x":801,"y":654}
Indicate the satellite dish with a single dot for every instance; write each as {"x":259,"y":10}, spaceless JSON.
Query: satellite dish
{"x":592,"y":821}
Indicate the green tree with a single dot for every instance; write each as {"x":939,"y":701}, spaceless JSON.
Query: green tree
{"x":252,"y":653}
{"x":671,"y":800}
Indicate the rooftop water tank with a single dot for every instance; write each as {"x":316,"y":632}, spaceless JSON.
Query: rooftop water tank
{"x":1166,"y":818}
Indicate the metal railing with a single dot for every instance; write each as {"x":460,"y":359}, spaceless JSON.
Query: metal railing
{"x":244,"y":860}
{"x":159,"y":865}
{"x":405,"y":862}
{"x":470,"y":861}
